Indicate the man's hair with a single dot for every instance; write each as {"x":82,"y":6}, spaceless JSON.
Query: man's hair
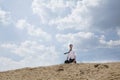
{"x":70,"y":44}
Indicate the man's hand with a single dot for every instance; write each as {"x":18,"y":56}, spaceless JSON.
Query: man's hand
{"x":66,"y":53}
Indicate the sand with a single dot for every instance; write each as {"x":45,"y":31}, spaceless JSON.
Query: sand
{"x":83,"y":71}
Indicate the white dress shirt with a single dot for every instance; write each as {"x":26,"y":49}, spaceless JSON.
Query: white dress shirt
{"x":71,"y":55}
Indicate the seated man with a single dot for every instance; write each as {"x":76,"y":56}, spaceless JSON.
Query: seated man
{"x":71,"y":55}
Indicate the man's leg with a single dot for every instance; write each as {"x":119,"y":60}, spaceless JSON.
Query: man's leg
{"x":75,"y":61}
{"x":72,"y":61}
{"x":66,"y":61}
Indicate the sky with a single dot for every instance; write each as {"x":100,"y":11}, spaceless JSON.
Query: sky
{"x":37,"y":32}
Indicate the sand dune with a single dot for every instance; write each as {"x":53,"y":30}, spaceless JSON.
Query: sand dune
{"x":83,"y":71}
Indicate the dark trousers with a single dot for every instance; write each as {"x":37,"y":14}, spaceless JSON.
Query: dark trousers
{"x":70,"y":61}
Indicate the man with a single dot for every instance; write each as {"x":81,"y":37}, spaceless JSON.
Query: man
{"x":71,"y":58}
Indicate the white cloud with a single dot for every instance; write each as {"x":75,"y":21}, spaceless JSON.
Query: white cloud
{"x":118,"y":31}
{"x":8,"y":64}
{"x":10,"y":45}
{"x":4,"y":17}
{"x":93,"y":3}
{"x":52,"y":9}
{"x":102,"y":17}
{"x":81,"y":40}
{"x":33,"y":54}
{"x":87,"y":41}
{"x":110,"y":43}
{"x":79,"y":19}
{"x":32,"y":30}
{"x":22,"y":23}
{"x":114,"y":43}
{"x":65,"y":14}
{"x":71,"y":37}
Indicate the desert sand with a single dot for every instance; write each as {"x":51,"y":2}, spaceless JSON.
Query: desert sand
{"x":81,"y":71}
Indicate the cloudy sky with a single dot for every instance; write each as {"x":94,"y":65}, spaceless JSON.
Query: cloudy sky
{"x":38,"y":32}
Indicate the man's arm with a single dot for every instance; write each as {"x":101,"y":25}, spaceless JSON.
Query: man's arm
{"x":66,"y":53}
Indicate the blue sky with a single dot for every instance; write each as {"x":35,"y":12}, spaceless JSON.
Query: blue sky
{"x":38,"y":32}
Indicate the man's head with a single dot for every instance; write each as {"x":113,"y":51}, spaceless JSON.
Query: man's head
{"x":71,"y":46}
